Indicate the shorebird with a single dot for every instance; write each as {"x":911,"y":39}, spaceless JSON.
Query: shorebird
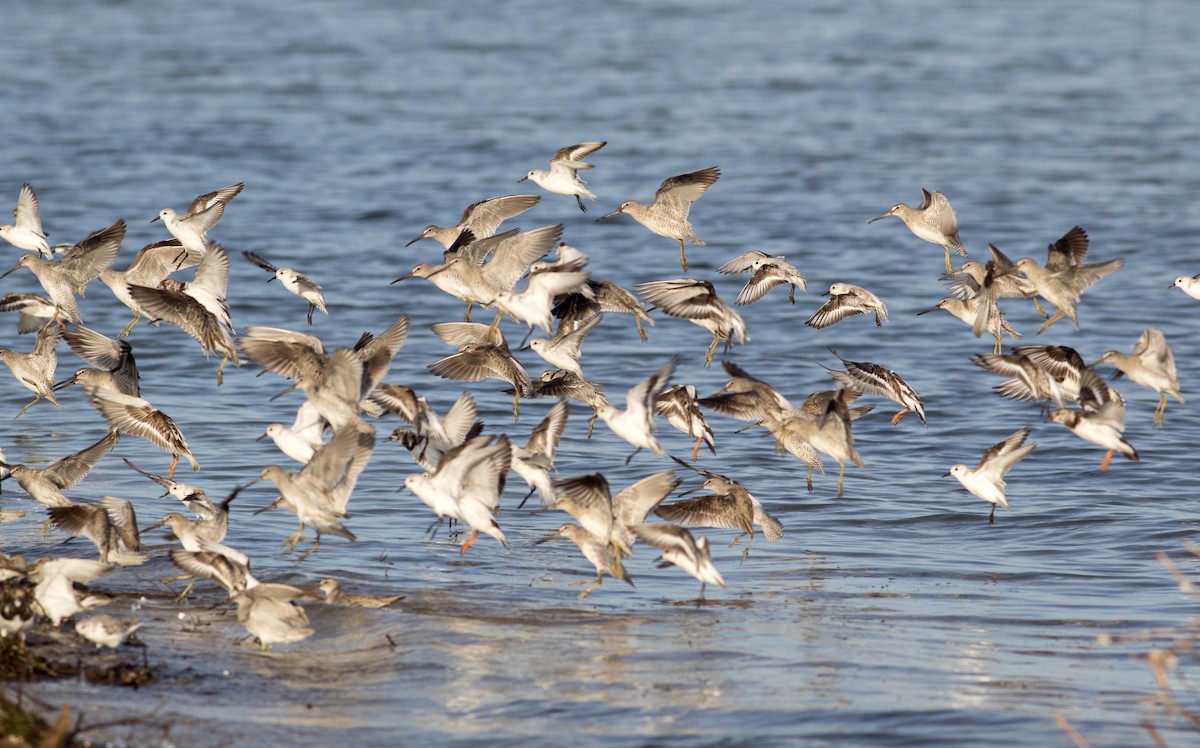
{"x":668,"y":214}
{"x":55,"y":594}
{"x":532,"y":305}
{"x":467,"y":485}
{"x":1190,"y":286}
{"x":967,"y":311}
{"x":481,"y":219}
{"x":137,"y":417}
{"x":1065,"y":277}
{"x":112,"y":364}
{"x":1100,"y":418}
{"x":435,"y":435}
{"x":605,"y":296}
{"x":535,"y":460}
{"x":303,"y":438}
{"x":35,"y":370}
{"x":681,"y":549}
{"x":610,"y":519}
{"x":151,"y":266}
{"x":994,"y":281}
{"x":865,"y":376}
{"x":334,"y":596}
{"x":697,"y":302}
{"x":1150,"y":364}
{"x":635,"y":424}
{"x":34,"y":310}
{"x":193,"y":497}
{"x":109,"y":523}
{"x":319,"y":492}
{"x":64,"y":279}
{"x":1039,"y":373}
{"x":823,"y":422}
{"x":986,"y":480}
{"x":933,"y":220}
{"x":563,"y":177}
{"x":563,"y":350}
{"x":197,"y":307}
{"x":297,"y":283}
{"x":226,"y":566}
{"x":105,"y":631}
{"x":595,"y":549}
{"x":270,"y":613}
{"x":558,"y":383}
{"x":483,"y":354}
{"x":729,"y":506}
{"x":25,"y":232}
{"x":844,"y":301}
{"x":46,"y":485}
{"x":680,"y":407}
{"x":192,"y":226}
{"x":767,"y":272}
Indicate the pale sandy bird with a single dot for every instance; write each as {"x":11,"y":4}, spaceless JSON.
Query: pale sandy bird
{"x":729,"y":505}
{"x":112,"y":363}
{"x":319,"y":492}
{"x":297,"y":283}
{"x":46,"y":485}
{"x":595,"y":549}
{"x":1150,"y":364}
{"x":668,"y":214}
{"x":303,"y":438}
{"x":466,"y":486}
{"x":609,"y":518}
{"x":481,"y":219}
{"x":563,"y":177}
{"x":25,"y":232}
{"x":972,"y":279}
{"x":1190,"y":286}
{"x":967,"y":311}
{"x":1100,"y":418}
{"x":846,"y":300}
{"x":192,"y":226}
{"x":56,"y":594}
{"x":483,"y":354}
{"x":745,"y":397}
{"x":137,"y":417}
{"x":109,"y":523}
{"x":865,"y":376}
{"x":767,"y":272}
{"x":823,"y":423}
{"x":335,"y":596}
{"x":34,"y":311}
{"x":194,"y":497}
{"x":680,"y":548}
{"x":986,"y":480}
{"x":151,"y":266}
{"x":105,"y":631}
{"x":270,"y":613}
{"x":635,"y":424}
{"x":197,"y":307}
{"x":1065,"y":276}
{"x":680,"y":407}
{"x":36,"y":369}
{"x":226,"y":566}
{"x":933,"y":220}
{"x":563,"y":351}
{"x":535,"y":460}
{"x":65,"y":278}
{"x":697,"y":302}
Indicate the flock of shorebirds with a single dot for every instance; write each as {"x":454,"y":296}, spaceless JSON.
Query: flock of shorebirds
{"x":463,"y":471}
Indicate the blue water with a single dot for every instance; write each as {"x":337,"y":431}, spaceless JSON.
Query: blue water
{"x":892,"y":616}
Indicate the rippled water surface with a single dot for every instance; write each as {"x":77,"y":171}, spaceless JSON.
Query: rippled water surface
{"x":892,"y":616}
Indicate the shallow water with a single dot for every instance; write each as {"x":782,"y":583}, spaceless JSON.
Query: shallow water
{"x":895,"y":615}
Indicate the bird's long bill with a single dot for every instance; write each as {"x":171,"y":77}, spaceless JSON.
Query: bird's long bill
{"x":927,"y":311}
{"x":154,"y":526}
{"x":11,"y":270}
{"x":414,"y":241}
{"x":283,"y":392}
{"x":268,"y":507}
{"x":152,"y":220}
{"x":547,"y":538}
{"x":270,"y":279}
{"x":876,"y":218}
{"x":1170,"y":286}
{"x":522,"y":179}
{"x":63,"y":384}
{"x":406,"y":276}
{"x":608,"y":215}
